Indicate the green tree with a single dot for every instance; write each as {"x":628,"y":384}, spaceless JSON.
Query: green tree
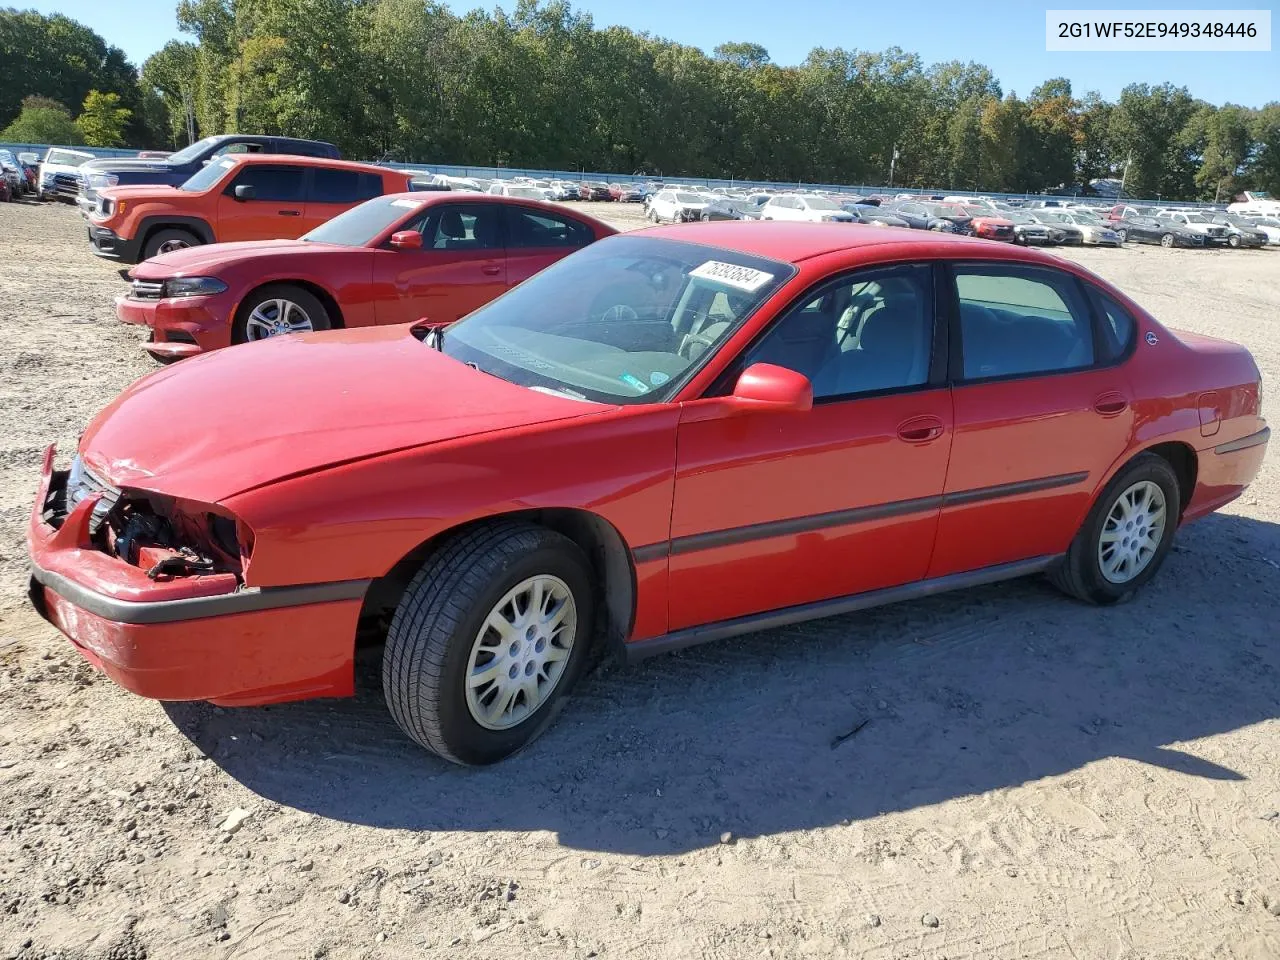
{"x":171,"y":75}
{"x":43,"y":120}
{"x":103,"y":120}
{"x":1147,"y":127}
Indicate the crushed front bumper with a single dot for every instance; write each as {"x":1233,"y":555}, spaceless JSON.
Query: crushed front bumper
{"x":181,"y":326}
{"x":188,"y":638}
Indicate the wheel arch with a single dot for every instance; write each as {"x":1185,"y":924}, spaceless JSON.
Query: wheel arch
{"x":612,"y":567}
{"x":325,"y":297}
{"x":195,"y":225}
{"x":1180,"y":456}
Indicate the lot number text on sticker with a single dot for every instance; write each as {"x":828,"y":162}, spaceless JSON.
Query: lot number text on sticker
{"x":744,"y":278}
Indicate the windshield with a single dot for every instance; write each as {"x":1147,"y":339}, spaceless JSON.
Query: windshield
{"x":528,"y":193}
{"x":621,"y":321}
{"x":821,"y":203}
{"x":65,"y":157}
{"x":187,"y":154}
{"x":946,"y":210}
{"x":207,"y":176}
{"x":688,"y":198}
{"x":361,"y":225}
{"x":1197,"y":218}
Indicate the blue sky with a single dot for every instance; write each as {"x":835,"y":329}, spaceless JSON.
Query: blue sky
{"x":1006,"y":35}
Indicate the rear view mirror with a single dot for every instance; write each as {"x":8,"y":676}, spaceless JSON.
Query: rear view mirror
{"x":406,"y":240}
{"x":245,"y":192}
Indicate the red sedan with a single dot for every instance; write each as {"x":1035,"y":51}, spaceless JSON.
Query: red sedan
{"x":990,"y":226}
{"x":673,"y":436}
{"x":390,"y":260}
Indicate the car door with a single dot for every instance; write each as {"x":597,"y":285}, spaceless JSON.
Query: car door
{"x":461,"y":265}
{"x":776,"y":509}
{"x":275,"y":210}
{"x":1042,"y":410}
{"x":331,"y":191}
{"x":537,"y":238}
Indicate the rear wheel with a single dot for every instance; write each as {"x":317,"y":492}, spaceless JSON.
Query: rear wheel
{"x":169,"y":240}
{"x":487,"y":640}
{"x":1126,"y":536}
{"x":1167,"y":241}
{"x":279,"y":309}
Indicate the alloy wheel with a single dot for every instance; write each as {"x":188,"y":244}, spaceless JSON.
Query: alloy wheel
{"x":521,"y":652}
{"x":169,"y":246}
{"x":274,"y":318}
{"x":1132,"y":532}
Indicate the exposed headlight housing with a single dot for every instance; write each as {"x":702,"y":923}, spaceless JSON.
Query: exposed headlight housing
{"x":192,"y":287}
{"x":100,"y":181}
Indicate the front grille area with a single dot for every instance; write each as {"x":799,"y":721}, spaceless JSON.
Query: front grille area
{"x":146,"y":290}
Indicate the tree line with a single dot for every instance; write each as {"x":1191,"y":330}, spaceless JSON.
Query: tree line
{"x":542,"y":87}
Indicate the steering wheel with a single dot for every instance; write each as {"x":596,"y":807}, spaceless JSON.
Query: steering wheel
{"x":692,"y":340}
{"x":620,"y":312}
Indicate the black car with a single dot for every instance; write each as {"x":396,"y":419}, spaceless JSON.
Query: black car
{"x":1240,"y":232}
{"x":726,"y":209}
{"x":873,"y":215}
{"x":1167,"y":233}
{"x":177,"y":168}
{"x":594,"y":190}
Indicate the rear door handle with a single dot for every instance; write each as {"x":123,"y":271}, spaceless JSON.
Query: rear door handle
{"x":491,"y":270}
{"x":921,"y":429}
{"x":1110,"y":404}
{"x":289,"y":213}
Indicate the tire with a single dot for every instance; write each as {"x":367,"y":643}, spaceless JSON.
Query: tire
{"x":1123,"y":235}
{"x":438,"y":624}
{"x":247,"y":328}
{"x":1080,"y":573}
{"x":1167,"y":241}
{"x":1234,"y":242}
{"x":169,"y":240}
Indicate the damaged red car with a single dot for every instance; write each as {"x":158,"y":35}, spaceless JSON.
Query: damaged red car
{"x":389,"y":260}
{"x":669,"y":437}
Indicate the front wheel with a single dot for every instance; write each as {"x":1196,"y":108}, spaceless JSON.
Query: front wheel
{"x":1234,"y":242}
{"x":169,"y":241}
{"x":1126,"y":535}
{"x":1167,"y":241}
{"x":1123,"y":235}
{"x":276,"y":310}
{"x":487,"y":640}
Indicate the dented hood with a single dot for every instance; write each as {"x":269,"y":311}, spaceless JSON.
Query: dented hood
{"x":216,"y":425}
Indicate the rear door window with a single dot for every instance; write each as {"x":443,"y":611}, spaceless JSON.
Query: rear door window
{"x":525,"y":228}
{"x":343,"y":186}
{"x":1018,"y":321}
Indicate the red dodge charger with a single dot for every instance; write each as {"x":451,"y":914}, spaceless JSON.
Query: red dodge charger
{"x":668,"y":437}
{"x":390,"y":260}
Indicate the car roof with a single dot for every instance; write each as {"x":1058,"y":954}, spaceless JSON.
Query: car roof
{"x":791,"y":241}
{"x":301,"y":160}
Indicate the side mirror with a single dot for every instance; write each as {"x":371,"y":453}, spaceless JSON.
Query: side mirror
{"x":766,"y":386}
{"x":406,"y":240}
{"x":245,"y":192}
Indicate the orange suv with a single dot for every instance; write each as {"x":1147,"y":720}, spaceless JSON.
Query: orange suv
{"x":237,"y":197}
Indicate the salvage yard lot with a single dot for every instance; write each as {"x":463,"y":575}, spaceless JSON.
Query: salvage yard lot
{"x":1035,"y":778}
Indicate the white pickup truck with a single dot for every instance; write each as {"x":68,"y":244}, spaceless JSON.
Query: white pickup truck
{"x":1256,"y":202}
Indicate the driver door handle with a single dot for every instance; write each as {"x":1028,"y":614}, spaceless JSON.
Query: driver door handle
{"x":921,"y":429}
{"x":289,"y":213}
{"x":491,"y":270}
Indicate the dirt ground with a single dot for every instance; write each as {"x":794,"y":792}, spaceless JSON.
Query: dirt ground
{"x":1036,"y":778}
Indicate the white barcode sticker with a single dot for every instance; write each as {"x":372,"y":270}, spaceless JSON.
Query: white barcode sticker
{"x":407,"y":203}
{"x":744,"y":278}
